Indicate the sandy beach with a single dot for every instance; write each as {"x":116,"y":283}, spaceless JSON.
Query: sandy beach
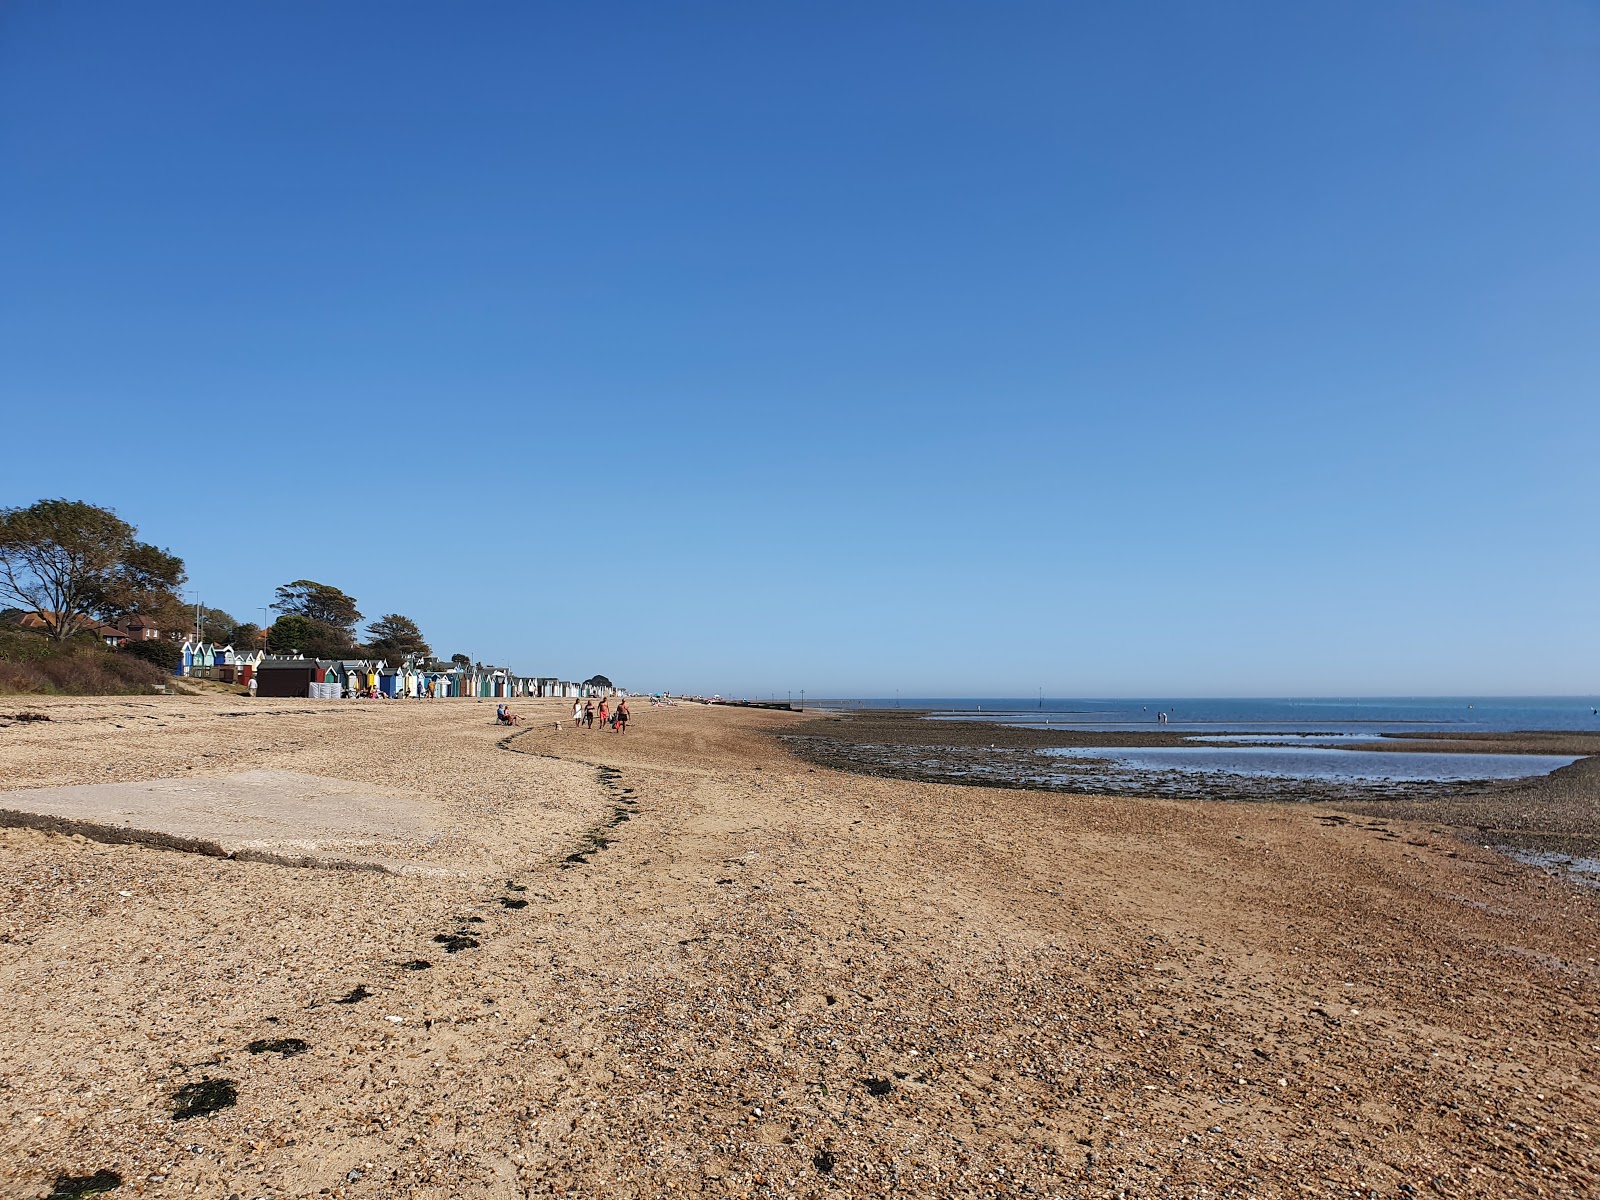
{"x":687,"y":961}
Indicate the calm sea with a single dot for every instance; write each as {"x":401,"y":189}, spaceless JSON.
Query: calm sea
{"x":1326,"y":715}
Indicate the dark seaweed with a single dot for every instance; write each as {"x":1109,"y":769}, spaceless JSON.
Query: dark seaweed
{"x":203,"y":1098}
{"x":288,"y":1047}
{"x":69,"y":1187}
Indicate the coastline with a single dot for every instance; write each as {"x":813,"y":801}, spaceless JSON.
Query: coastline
{"x":1556,"y":814}
{"x":766,"y":977}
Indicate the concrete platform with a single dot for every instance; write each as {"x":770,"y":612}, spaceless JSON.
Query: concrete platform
{"x":265,"y":816}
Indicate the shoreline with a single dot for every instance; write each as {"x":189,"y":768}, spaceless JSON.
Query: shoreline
{"x":1557,"y":814}
{"x":685,"y":960}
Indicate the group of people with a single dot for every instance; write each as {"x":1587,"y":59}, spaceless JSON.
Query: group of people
{"x":584,"y":714}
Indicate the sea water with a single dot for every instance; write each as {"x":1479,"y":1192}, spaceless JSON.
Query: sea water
{"x":1325,"y":715}
{"x":1323,"y":763}
{"x":1290,"y":739}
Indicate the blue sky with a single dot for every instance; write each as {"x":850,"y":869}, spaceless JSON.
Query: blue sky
{"x":965,"y":349}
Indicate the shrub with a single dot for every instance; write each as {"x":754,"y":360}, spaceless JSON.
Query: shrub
{"x":33,"y":665}
{"x":158,"y":652}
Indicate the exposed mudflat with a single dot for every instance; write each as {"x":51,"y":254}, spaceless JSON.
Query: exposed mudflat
{"x":719,"y":969}
{"x":1558,"y":814}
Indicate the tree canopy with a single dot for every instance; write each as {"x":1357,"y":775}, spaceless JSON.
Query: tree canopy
{"x":146,"y":586}
{"x":244,"y":636}
{"x":319,"y":602}
{"x":74,"y":563}
{"x":396,"y":638}
{"x":598,"y":681}
{"x":216,"y":625}
{"x":294,"y":634}
{"x":461,"y":660}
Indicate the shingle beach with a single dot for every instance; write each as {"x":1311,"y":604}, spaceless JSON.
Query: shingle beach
{"x":684,"y":961}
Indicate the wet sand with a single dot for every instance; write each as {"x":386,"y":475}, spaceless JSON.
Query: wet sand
{"x":711,"y":967}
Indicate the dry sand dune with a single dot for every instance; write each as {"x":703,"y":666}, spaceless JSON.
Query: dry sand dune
{"x":705,"y":967}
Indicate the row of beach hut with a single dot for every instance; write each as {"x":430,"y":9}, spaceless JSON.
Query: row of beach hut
{"x":333,"y":679}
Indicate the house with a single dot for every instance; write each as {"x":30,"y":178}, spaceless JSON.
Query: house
{"x":77,"y":623}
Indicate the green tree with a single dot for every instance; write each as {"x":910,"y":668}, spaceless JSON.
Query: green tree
{"x":216,"y":625}
{"x":460,"y":660}
{"x":397,"y":638}
{"x":74,"y":563}
{"x":146,"y":586}
{"x":291,"y":634}
{"x":244,"y":636}
{"x":319,"y":602}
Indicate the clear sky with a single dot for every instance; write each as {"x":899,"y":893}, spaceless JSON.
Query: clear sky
{"x":964,"y":349}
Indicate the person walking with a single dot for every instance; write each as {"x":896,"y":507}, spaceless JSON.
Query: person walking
{"x":577,"y":713}
{"x":588,"y":715}
{"x":603,"y":714}
{"x":622,"y":715}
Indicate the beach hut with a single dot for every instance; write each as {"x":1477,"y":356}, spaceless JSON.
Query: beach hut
{"x":416,"y":679}
{"x":389,"y":681}
{"x":246,"y":663}
{"x":285,"y":677}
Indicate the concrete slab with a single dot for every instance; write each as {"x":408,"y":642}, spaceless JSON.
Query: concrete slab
{"x":266,"y":816}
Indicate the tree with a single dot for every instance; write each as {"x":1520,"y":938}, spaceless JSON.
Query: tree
{"x":397,"y":638}
{"x":72,"y":562}
{"x":460,"y":660}
{"x":291,"y":634}
{"x":319,"y":602}
{"x":216,"y":625}
{"x":245,"y":636}
{"x":598,"y":681}
{"x":146,"y":586}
